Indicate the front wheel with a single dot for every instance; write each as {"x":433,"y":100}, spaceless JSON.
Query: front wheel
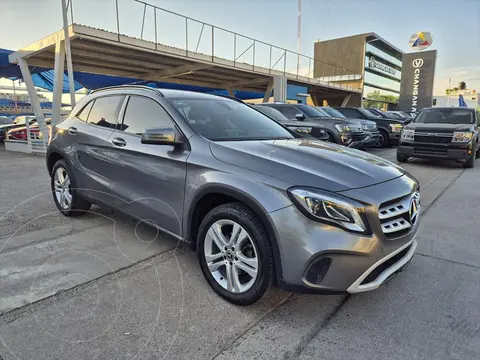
{"x":235,"y":254}
{"x":470,"y":163}
{"x":384,"y":140}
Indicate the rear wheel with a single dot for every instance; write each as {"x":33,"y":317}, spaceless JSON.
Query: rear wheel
{"x":235,"y":254}
{"x":64,"y":190}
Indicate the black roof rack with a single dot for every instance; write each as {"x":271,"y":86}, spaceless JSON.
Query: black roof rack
{"x":127,"y":86}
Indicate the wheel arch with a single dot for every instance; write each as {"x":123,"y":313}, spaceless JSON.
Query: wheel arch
{"x":214,"y":195}
{"x":52,"y":158}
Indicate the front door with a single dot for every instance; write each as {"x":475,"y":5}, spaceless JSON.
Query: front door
{"x":148,"y":180}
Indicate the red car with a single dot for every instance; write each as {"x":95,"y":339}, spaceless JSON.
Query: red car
{"x":20,"y":133}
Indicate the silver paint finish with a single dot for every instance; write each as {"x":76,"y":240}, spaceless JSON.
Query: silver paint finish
{"x":164,"y":183}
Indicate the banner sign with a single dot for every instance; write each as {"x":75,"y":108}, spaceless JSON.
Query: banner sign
{"x":416,"y":88}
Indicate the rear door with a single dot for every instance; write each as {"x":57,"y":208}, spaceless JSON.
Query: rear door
{"x":148,"y":179}
{"x":88,"y":133}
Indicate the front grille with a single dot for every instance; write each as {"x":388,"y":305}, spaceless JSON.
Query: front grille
{"x":359,"y":137}
{"x":397,"y":216}
{"x":318,"y":270}
{"x":434,"y":138}
{"x":384,"y":266}
{"x":420,"y":150}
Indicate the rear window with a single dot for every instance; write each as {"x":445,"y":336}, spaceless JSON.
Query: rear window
{"x":445,"y":116}
{"x":104,"y":111}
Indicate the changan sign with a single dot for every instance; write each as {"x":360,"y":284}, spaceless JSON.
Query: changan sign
{"x":416,"y":88}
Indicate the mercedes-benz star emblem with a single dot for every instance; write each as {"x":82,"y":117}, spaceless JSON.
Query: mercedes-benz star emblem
{"x":413,"y":211}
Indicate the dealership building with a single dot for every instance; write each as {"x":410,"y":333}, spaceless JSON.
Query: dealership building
{"x":369,"y":63}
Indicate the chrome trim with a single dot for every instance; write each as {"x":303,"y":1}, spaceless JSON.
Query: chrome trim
{"x":394,"y":213}
{"x":434,"y":134}
{"x":357,"y":288}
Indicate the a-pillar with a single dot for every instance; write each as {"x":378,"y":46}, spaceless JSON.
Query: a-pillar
{"x":32,"y":94}
{"x":279,"y":88}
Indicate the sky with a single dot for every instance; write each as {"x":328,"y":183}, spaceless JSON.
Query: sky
{"x":455,"y":25}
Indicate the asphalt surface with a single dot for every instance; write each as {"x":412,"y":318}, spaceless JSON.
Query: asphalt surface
{"x":103,"y":287}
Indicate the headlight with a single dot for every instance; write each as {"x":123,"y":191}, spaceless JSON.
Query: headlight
{"x":396,"y":127}
{"x":462,"y":136}
{"x":347,"y":128}
{"x":408,"y":134}
{"x":303,"y":130}
{"x":329,"y":208}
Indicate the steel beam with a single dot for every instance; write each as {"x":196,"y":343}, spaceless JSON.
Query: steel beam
{"x":174,"y":71}
{"x":268,"y":92}
{"x":58,"y":81}
{"x":346,"y":100}
{"x":32,"y":94}
{"x":68,"y":54}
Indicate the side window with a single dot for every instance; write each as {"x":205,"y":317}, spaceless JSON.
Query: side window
{"x":83,"y":114}
{"x":289,"y":111}
{"x":105,"y":111}
{"x":350,"y":113}
{"x":142,"y":113}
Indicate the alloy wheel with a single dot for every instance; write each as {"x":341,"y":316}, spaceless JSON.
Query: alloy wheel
{"x":62,"y":189}
{"x":231,"y":256}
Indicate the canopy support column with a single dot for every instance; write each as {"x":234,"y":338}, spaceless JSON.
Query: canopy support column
{"x":268,"y":92}
{"x":346,"y":100}
{"x":280,"y":88}
{"x":32,"y":94}
{"x":68,"y":53}
{"x":58,"y":81}
{"x":230,"y":91}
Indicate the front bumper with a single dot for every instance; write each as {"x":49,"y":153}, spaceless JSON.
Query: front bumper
{"x":320,"y":258}
{"x":372,"y":138}
{"x":394,"y":137}
{"x":353,"y":140}
{"x":435,"y":151}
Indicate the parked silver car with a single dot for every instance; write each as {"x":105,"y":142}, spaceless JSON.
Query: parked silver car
{"x":261,"y":206}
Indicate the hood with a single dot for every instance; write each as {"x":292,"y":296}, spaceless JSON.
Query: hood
{"x":305,"y":123}
{"x":438,"y":127}
{"x":365,"y":122}
{"x":306,"y":162}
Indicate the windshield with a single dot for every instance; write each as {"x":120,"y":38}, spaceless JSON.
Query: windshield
{"x":445,"y":116}
{"x":273,"y":113}
{"x":333,"y":112}
{"x":367,"y":112}
{"x":5,"y":120}
{"x":311,"y":111}
{"x":225,"y":119}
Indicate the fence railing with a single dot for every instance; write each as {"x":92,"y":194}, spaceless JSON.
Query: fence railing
{"x":170,"y":30}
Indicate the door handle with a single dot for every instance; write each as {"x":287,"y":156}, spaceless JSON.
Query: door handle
{"x":73,"y":130}
{"x":119,"y":142}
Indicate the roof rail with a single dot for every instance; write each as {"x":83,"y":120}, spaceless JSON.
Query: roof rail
{"x":127,"y":86}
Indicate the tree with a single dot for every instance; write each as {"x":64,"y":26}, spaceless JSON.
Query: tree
{"x":376,"y":95}
{"x":455,"y":89}
{"x":462,"y":85}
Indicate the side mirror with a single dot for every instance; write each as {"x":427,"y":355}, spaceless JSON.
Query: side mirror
{"x":160,"y":136}
{"x":300,"y":117}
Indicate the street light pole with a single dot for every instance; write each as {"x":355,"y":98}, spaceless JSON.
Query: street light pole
{"x":449,"y":89}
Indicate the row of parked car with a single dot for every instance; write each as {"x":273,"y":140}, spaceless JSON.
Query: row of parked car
{"x":15,"y":129}
{"x":348,"y":126}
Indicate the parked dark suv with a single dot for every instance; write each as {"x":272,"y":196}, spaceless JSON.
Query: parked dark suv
{"x":259,"y":205}
{"x":312,"y":128}
{"x":389,"y":129}
{"x":442,"y":133}
{"x":341,"y":131}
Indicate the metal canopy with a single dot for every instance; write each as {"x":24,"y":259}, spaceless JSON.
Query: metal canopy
{"x":101,"y":52}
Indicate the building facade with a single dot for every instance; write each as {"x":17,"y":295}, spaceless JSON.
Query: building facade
{"x":367,"y":62}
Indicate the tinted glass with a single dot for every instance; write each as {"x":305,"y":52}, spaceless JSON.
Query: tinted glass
{"x":310,"y":111}
{"x":142,"y":113}
{"x":333,"y":112}
{"x":5,"y":120}
{"x":83,"y":114}
{"x":368,"y":113}
{"x":350,"y":113}
{"x":104,"y":111}
{"x":273,"y":113}
{"x":445,"y":116}
{"x":225,"y":119}
{"x":288,"y":111}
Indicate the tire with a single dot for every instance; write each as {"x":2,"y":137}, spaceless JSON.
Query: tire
{"x":477,"y":154}
{"x":402,"y":158}
{"x":384,"y":140}
{"x":216,"y":275}
{"x":470,"y":163}
{"x":77,"y":205}
{"x":331,"y":138}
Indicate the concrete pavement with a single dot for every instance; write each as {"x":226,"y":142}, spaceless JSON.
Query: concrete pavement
{"x":99,"y":288}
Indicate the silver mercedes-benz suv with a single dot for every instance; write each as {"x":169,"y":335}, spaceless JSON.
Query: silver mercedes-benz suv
{"x":262,"y":205}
